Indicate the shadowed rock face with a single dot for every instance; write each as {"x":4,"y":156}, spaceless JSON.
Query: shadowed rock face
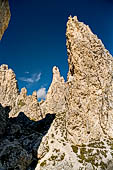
{"x":3,"y":119}
{"x":4,"y":16}
{"x":20,"y":139}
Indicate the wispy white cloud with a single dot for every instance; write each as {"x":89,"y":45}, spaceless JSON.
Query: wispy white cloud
{"x":34,"y":78}
{"x":26,"y":72}
{"x":28,"y":80}
{"x":41,"y":93}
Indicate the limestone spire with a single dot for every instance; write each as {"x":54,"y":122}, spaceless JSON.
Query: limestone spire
{"x":34,"y":95}
{"x":90,"y":99}
{"x":23,"y":92}
{"x":55,"y":98}
{"x":56,"y":75}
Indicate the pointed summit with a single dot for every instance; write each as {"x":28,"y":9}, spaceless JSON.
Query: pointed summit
{"x":90,"y":98}
{"x":56,"y":75}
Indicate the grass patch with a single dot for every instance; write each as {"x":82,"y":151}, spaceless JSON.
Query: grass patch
{"x":21,"y":103}
{"x":43,"y":163}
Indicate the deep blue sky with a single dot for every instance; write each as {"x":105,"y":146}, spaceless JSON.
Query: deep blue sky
{"x":35,"y":39}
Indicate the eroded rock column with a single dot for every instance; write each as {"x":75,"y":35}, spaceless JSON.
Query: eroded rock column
{"x":90,"y":84}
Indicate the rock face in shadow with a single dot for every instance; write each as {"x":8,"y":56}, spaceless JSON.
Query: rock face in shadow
{"x":4,"y":16}
{"x":3,"y":119}
{"x":20,"y":138}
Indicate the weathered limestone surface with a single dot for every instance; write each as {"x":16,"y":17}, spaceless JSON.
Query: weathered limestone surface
{"x":4,"y":16}
{"x":90,"y":114}
{"x":8,"y":86}
{"x":55,"y":152}
{"x":27,"y":104}
{"x":56,"y":97}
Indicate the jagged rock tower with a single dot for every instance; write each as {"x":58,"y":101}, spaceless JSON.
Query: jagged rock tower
{"x":90,"y":114}
{"x":56,"y":96}
{"x":8,"y":86}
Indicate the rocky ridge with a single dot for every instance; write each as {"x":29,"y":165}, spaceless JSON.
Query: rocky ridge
{"x":18,"y":101}
{"x":80,"y":136}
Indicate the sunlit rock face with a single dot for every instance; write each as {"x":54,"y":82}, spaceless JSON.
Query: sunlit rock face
{"x":4,"y":16}
{"x":56,"y":96}
{"x":90,"y":84}
{"x":8,"y":86}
